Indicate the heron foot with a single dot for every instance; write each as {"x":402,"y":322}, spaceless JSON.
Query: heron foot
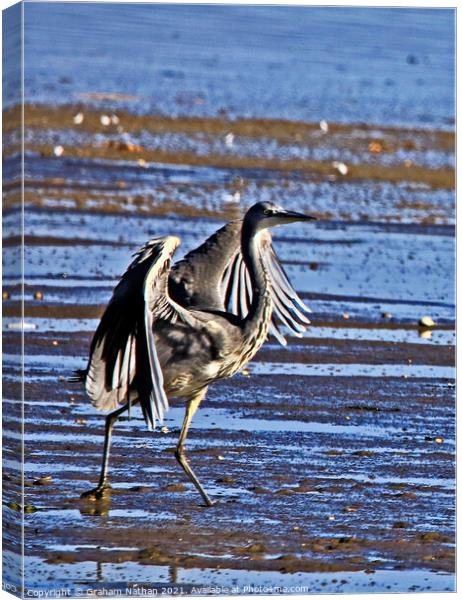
{"x":208,"y":502}
{"x":98,"y":493}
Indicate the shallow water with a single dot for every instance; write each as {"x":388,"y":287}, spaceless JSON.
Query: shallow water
{"x":92,"y":577}
{"x":355,"y":65}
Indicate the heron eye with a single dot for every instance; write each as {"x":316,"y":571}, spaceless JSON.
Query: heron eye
{"x":267,"y":211}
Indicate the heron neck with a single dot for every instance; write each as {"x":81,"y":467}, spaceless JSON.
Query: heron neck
{"x":261,"y":301}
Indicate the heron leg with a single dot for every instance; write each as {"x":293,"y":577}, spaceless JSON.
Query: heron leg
{"x":103,"y":485}
{"x":180,"y":455}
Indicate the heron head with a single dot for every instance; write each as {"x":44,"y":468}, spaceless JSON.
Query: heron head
{"x":269,"y":214}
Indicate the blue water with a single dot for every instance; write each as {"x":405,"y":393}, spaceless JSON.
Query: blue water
{"x":341,"y":64}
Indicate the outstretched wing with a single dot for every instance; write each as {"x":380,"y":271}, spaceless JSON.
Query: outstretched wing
{"x":123,"y":360}
{"x":288,"y":308}
{"x":215,"y":276}
{"x":158,"y":306}
{"x":196,"y":280}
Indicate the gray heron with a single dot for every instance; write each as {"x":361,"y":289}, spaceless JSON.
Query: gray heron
{"x":170,"y":331}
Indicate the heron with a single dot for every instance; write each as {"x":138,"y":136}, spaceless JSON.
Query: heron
{"x":168,"y":332}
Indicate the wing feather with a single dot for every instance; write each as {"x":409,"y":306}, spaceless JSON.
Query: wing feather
{"x":234,"y":285}
{"x":158,"y":306}
{"x":281,"y":282}
{"x":274,"y":331}
{"x":288,"y":308}
{"x":123,"y":358}
{"x":243,"y":293}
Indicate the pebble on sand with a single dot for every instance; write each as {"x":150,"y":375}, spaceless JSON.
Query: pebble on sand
{"x":229,"y":139}
{"x":375,"y":147}
{"x":175,"y":487}
{"x":255,"y":548}
{"x":78,"y":118}
{"x":124,"y":145}
{"x":38,"y":296}
{"x":58,"y":150}
{"x":232,"y":198}
{"x":427,"y":321}
{"x":323,"y":126}
{"x":43,"y":480}
{"x":341,"y":167}
{"x":105,"y":120}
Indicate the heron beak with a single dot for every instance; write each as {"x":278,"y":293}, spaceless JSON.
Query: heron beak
{"x":289,"y":216}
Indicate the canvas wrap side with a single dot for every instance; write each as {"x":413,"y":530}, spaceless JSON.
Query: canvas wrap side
{"x":14,"y":503}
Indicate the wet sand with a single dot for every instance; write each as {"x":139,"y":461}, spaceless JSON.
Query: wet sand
{"x":331,"y":461}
